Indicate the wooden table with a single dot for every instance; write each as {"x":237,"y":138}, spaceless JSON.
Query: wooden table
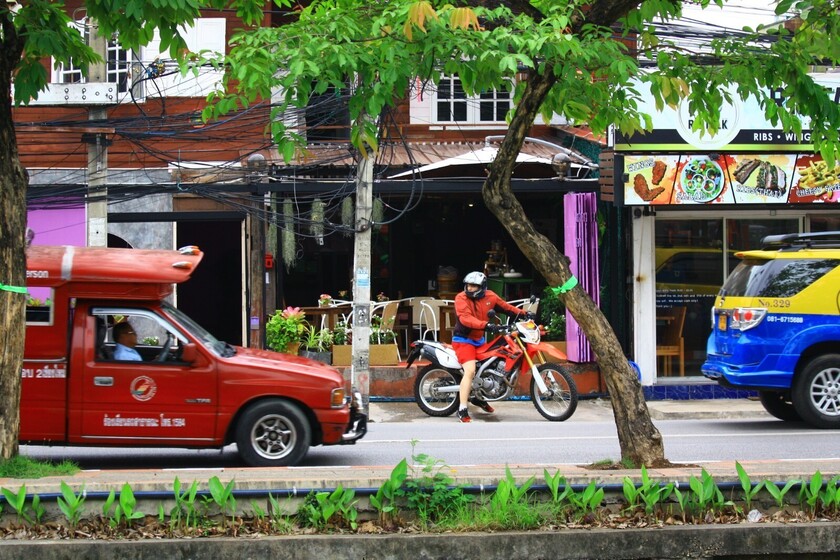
{"x":326,"y":317}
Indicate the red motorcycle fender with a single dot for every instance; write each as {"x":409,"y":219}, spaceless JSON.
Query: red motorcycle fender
{"x":546,"y":348}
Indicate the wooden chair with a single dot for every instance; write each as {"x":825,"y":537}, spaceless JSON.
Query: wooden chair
{"x":671,"y":344}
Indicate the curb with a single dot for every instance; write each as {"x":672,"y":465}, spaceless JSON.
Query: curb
{"x":767,"y":541}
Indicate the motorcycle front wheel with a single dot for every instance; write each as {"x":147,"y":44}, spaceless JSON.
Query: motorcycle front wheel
{"x":427,"y":391}
{"x":560,"y":401}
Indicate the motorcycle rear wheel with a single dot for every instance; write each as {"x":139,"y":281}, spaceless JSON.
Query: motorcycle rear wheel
{"x":560,"y":402}
{"x":426,"y":391}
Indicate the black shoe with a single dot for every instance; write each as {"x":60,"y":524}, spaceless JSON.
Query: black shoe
{"x":483,"y":405}
{"x":464,"y":415}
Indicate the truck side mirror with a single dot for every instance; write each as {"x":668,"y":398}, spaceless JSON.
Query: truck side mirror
{"x":189,"y":353}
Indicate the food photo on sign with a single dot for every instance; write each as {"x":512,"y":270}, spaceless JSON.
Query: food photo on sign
{"x":651,"y":179}
{"x":702,"y":181}
{"x":815,"y":182}
{"x":760,"y":179}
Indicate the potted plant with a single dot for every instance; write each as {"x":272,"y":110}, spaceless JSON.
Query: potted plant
{"x":552,"y":315}
{"x":383,"y":348}
{"x":316,"y":344}
{"x":342,"y":353}
{"x":284,"y":330}
{"x":324,"y":300}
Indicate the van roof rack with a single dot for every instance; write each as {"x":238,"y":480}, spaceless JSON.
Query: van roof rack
{"x":823,"y":239}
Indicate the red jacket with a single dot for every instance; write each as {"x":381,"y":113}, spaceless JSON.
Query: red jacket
{"x":472,"y":313}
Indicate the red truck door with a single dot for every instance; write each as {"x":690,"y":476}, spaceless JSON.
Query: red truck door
{"x":160,"y":399}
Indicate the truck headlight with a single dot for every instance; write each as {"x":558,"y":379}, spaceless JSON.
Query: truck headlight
{"x":337,"y":397}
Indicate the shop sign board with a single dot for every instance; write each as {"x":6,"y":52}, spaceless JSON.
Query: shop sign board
{"x":743,"y":127}
{"x":667,"y":179}
{"x":748,"y":161}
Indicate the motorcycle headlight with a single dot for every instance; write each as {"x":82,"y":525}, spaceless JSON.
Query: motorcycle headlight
{"x":529,"y":331}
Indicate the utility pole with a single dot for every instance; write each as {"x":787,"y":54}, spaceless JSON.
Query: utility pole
{"x":360,"y":366}
{"x":97,"y":154}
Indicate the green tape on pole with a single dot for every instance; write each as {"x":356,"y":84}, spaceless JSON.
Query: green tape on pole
{"x":16,"y":289}
{"x":569,"y":284}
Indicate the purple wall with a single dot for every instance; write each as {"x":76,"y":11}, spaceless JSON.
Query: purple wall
{"x":58,"y":227}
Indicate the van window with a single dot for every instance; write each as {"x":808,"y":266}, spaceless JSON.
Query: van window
{"x":776,"y":277}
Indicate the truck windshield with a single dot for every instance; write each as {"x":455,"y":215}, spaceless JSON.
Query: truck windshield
{"x":199,"y":332}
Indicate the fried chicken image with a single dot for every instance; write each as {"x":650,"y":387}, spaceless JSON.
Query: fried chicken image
{"x":659,"y":168}
{"x":640,"y":185}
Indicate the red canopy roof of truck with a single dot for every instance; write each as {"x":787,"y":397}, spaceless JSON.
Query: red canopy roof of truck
{"x":52,"y":266}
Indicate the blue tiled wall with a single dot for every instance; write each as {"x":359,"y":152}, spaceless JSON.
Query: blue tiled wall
{"x":688,"y":392}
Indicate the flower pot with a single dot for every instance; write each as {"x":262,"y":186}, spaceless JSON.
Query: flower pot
{"x":342,"y":354}
{"x":292,"y":348}
{"x":324,"y":357}
{"x":380,"y":355}
{"x":384,"y":355}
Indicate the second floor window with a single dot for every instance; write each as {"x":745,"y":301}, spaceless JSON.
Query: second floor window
{"x":117,"y":59}
{"x":453,"y":105}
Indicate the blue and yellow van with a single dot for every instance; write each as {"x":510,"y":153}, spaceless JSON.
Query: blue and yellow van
{"x":776,"y":327}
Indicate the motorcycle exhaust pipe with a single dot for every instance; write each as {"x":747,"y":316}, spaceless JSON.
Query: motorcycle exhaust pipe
{"x":450,"y":389}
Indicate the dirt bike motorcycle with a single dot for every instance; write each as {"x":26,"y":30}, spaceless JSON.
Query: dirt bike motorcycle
{"x":499,"y":364}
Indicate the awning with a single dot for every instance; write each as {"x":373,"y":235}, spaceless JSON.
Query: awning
{"x":480,"y":157}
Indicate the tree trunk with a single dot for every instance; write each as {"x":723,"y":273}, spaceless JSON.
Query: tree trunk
{"x":641,"y":443}
{"x":12,"y":254}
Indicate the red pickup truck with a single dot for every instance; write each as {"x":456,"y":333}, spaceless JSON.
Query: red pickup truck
{"x":189,"y":389}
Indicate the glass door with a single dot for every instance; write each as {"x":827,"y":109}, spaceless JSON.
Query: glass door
{"x":693,"y":258}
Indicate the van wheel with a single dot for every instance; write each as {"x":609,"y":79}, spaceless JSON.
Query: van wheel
{"x":273,"y":433}
{"x":778,"y":404}
{"x":816,"y":392}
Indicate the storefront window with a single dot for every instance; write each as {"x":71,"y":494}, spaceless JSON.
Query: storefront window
{"x":824,"y":223}
{"x":693,"y":258}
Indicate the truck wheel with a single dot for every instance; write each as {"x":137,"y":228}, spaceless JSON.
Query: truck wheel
{"x":816,"y":392}
{"x":778,"y":404}
{"x":273,"y":433}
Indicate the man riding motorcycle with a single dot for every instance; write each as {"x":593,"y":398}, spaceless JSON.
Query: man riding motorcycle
{"x":471,"y":309}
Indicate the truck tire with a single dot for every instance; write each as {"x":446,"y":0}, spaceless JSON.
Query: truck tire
{"x":816,"y":392}
{"x":778,"y":404}
{"x":273,"y":433}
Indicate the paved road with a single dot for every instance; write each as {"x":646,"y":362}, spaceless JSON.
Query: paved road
{"x":396,"y":424}
{"x":696,"y":432}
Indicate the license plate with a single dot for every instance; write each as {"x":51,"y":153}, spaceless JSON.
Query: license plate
{"x":722,"y":322}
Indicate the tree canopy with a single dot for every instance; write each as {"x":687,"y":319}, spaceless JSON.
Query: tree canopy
{"x":561,"y":57}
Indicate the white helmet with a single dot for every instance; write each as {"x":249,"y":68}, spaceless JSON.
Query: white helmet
{"x":479,"y":279}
